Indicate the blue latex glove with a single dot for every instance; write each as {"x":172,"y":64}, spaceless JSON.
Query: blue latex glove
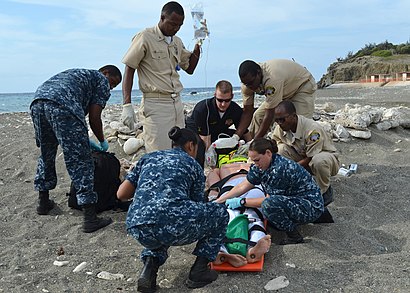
{"x":233,"y":203}
{"x":104,"y":145}
{"x":94,"y":145}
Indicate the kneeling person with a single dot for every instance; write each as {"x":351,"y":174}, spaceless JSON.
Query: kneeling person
{"x":294,"y":197}
{"x":169,"y":209}
{"x":305,"y":141}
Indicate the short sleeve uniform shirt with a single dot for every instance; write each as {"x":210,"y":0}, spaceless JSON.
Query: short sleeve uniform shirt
{"x":281,"y":80}
{"x":309,"y":140}
{"x":157,"y":62}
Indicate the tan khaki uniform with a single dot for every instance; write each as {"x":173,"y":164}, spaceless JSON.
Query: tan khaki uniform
{"x":282,"y":80}
{"x":156,"y":63}
{"x":310,"y":140}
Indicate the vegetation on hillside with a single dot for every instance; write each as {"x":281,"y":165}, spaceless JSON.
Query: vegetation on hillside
{"x":384,"y":49}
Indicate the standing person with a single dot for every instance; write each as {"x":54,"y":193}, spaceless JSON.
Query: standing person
{"x":211,"y":117}
{"x":294,"y":197}
{"x":306,"y":142}
{"x":58,"y":111}
{"x":277,"y":80}
{"x":157,"y":55}
{"x":170,"y":209}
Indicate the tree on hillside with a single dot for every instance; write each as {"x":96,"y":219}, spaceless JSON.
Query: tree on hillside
{"x":379,"y":50}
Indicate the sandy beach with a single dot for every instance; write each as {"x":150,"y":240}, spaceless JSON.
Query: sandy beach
{"x":367,"y":249}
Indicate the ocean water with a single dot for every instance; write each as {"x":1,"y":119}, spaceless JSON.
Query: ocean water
{"x":375,"y":96}
{"x":20,"y":102}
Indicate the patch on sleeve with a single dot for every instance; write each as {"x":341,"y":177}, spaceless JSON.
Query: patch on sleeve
{"x":270,"y":90}
{"x":314,"y":136}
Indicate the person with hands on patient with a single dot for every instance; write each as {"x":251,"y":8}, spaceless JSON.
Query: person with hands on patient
{"x":293,"y":197}
{"x":217,"y":115}
{"x":277,"y":80}
{"x":305,"y":141}
{"x":169,"y":209}
{"x":58,"y":111}
{"x":158,"y":55}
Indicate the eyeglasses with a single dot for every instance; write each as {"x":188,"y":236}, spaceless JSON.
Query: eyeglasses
{"x":222,"y":100}
{"x":281,"y":120}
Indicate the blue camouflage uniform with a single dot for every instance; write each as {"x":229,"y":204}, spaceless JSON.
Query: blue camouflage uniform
{"x":294,"y":198}
{"x":58,"y":111}
{"x":169,"y":206}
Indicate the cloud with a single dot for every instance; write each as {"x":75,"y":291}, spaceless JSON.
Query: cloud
{"x":56,"y":34}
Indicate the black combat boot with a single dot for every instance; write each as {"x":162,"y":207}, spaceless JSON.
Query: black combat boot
{"x":147,"y":281}
{"x":326,"y":217}
{"x":293,"y":237}
{"x":200,"y":274}
{"x":91,"y":221}
{"x":328,"y":196}
{"x":45,"y":204}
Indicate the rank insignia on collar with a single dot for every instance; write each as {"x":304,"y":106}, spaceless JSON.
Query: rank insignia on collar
{"x":314,"y":136}
{"x":270,"y":90}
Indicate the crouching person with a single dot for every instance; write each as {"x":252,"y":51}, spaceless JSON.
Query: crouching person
{"x":169,"y":209}
{"x":294,"y":198}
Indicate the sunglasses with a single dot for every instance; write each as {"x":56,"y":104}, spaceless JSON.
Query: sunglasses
{"x":281,"y":120}
{"x":222,"y":100}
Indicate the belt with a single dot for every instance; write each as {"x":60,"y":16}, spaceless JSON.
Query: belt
{"x":159,"y":95}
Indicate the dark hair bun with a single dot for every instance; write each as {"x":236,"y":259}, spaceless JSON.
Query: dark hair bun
{"x":175,"y":133}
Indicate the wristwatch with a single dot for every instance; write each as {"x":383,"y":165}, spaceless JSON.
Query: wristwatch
{"x":243,"y":201}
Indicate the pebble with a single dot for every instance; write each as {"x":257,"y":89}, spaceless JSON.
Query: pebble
{"x":165,"y":283}
{"x":397,"y":150}
{"x":109,"y":276}
{"x":277,"y":283}
{"x":80,"y":267}
{"x":291,"y":265}
{"x":60,"y":263}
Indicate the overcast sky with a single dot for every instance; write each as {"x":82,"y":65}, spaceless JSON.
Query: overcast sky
{"x":42,"y":37}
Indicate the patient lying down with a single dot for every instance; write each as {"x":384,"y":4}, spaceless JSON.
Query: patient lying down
{"x":257,"y":234}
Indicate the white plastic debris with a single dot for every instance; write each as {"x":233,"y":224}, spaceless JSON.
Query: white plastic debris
{"x":353,"y":168}
{"x":344,"y":172}
{"x":109,"y":276}
{"x":277,"y":283}
{"x":80,"y":267}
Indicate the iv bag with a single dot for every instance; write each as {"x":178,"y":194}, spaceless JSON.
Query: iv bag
{"x":200,"y":27}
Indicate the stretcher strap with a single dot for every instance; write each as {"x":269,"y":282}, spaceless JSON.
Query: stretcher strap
{"x":232,"y":240}
{"x":218,"y":185}
{"x":256,"y":228}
